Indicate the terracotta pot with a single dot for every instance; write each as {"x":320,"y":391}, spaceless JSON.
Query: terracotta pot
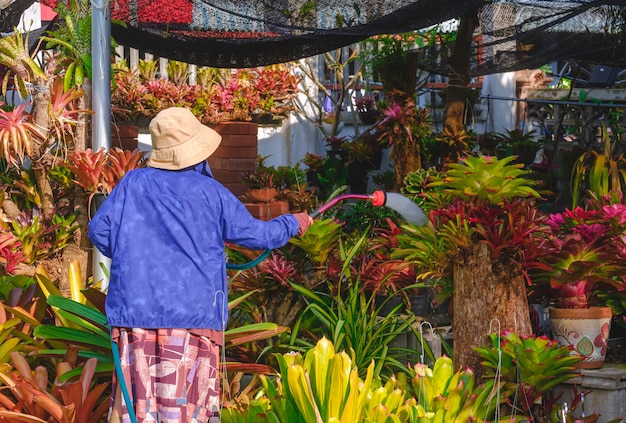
{"x":263,"y":195}
{"x":586,"y":330}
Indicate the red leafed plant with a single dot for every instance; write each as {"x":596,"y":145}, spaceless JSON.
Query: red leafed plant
{"x":99,"y":172}
{"x":29,"y":398}
{"x":62,"y":111}
{"x":88,"y":168}
{"x":10,"y":253}
{"x":588,"y":248}
{"x":17,"y":133}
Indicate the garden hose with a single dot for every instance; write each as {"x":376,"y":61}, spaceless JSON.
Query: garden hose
{"x":402,"y":205}
{"x":405,"y":207}
{"x":122,"y":382}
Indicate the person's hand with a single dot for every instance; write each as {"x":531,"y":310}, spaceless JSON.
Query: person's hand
{"x":304,"y":220}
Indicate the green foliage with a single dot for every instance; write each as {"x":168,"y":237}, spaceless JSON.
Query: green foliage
{"x":352,"y":324}
{"x":516,"y":142}
{"x":332,"y":177}
{"x":446,"y":396}
{"x":453,"y":145}
{"x":322,"y":386}
{"x":527,"y":367}
{"x":361,"y":214}
{"x":599,"y":173}
{"x":319,"y":240}
{"x":38,"y":237}
{"x":261,"y":177}
{"x":417,"y":187}
{"x":481,"y":199}
{"x":15,"y":55}
{"x":486,"y":178}
{"x":72,"y":36}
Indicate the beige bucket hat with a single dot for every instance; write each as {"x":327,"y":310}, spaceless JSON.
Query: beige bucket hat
{"x":180,"y":140}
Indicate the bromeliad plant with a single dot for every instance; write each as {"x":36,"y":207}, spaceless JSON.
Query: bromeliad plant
{"x":100,"y":171}
{"x":528,"y":369}
{"x":587,"y":249}
{"x":322,"y":386}
{"x":403,"y":127}
{"x":481,"y":199}
{"x":484,"y":229}
{"x":444,"y":395}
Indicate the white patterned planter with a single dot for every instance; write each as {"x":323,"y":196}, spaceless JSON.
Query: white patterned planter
{"x":586,"y":331}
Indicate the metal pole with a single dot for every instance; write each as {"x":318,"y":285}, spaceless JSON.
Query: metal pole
{"x":101,"y":101}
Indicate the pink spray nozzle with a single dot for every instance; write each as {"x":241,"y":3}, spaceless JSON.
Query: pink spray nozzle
{"x":378,"y":198}
{"x":405,"y":207}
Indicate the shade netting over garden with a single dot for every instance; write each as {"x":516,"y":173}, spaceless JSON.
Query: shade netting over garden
{"x":514,"y":34}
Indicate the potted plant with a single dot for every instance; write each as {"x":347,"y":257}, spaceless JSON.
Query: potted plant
{"x":586,"y":251}
{"x":517,"y":143}
{"x":362,"y":154}
{"x":335,"y":147}
{"x":260,"y":183}
{"x":366,"y":109}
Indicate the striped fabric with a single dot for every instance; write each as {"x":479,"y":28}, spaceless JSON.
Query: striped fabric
{"x":172,"y":376}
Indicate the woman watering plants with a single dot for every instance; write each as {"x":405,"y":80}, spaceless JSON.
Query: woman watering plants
{"x":164,"y":228}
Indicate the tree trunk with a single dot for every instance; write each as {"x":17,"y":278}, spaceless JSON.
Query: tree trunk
{"x":82,"y":124}
{"x":57,"y":267}
{"x":459,"y":77}
{"x":399,"y":78}
{"x":284,"y":307}
{"x":406,"y":159}
{"x":488,"y":297}
{"x":41,"y":164}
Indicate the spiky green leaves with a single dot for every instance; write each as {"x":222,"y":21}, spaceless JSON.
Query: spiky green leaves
{"x":486,"y":178}
{"x":15,"y":54}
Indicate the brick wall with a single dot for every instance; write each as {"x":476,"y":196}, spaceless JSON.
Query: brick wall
{"x":236,"y":154}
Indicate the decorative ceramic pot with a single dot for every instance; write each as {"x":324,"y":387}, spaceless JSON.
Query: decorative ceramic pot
{"x":586,"y":330}
{"x":263,"y":195}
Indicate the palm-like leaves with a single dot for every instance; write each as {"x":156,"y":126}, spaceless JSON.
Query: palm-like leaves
{"x":74,"y":40}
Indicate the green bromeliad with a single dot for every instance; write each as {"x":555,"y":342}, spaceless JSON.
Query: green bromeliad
{"x":324,"y":387}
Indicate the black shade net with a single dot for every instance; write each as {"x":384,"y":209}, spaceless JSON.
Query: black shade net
{"x":510,"y":35}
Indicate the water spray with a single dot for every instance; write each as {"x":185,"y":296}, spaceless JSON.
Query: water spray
{"x":397,"y":202}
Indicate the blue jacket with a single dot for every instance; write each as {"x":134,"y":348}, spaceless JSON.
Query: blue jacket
{"x":164,"y":231}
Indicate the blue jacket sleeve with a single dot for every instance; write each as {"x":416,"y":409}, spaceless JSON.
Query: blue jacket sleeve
{"x":102,"y":223}
{"x":241,"y":228}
